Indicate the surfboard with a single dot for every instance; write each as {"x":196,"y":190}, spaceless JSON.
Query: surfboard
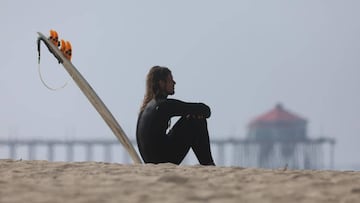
{"x":91,"y":96}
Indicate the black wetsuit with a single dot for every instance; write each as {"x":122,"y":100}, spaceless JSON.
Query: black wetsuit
{"x":157,"y":146}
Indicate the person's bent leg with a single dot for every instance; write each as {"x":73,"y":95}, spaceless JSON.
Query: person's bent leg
{"x":201,"y":144}
{"x":190,"y":132}
{"x":179,"y":141}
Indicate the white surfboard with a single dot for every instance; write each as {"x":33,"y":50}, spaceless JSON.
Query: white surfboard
{"x":92,"y":97}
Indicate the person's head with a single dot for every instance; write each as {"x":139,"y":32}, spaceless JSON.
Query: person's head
{"x":159,"y":83}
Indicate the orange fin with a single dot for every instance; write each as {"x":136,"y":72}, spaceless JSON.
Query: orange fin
{"x":54,"y":38}
{"x":63,"y":46}
{"x":68,"y":50}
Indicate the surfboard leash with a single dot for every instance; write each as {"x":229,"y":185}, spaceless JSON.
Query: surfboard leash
{"x":65,"y":48}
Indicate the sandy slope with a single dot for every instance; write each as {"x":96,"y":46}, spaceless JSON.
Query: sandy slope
{"x":42,"y":181}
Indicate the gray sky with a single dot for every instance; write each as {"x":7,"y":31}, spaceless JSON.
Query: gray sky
{"x":239,"y":57}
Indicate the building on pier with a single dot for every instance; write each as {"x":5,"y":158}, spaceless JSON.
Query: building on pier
{"x":279,"y":138}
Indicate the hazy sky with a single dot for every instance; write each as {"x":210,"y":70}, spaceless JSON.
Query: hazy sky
{"x":239,"y":57}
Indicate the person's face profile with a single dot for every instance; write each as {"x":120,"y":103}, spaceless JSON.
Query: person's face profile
{"x":170,"y":85}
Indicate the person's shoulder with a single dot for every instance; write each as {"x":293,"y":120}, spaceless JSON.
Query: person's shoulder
{"x":150,"y":105}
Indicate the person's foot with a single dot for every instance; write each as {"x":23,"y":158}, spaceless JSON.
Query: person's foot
{"x":209,"y":164}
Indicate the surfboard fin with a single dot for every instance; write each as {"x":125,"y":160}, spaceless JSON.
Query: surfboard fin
{"x":68,"y":50}
{"x":54,"y":38}
{"x":63,"y":46}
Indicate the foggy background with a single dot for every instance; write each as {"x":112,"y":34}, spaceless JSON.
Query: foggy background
{"x":239,"y":57}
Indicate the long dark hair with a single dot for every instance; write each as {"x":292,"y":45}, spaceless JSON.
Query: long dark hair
{"x":153,"y":90}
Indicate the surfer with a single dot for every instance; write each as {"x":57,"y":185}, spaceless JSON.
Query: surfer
{"x":156,"y":145}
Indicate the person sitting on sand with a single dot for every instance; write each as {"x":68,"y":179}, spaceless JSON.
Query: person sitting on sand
{"x":190,"y":131}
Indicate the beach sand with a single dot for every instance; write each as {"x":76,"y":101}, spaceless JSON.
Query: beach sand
{"x":65,"y":182}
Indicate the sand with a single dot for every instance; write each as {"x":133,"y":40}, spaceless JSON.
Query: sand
{"x":65,"y":182}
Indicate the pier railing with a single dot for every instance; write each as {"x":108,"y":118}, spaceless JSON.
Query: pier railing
{"x":307,"y":154}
